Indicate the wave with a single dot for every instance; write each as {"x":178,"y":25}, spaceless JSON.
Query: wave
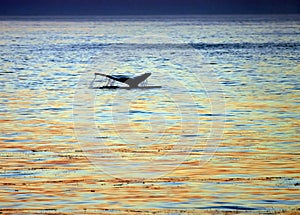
{"x":162,"y":46}
{"x":245,"y":45}
{"x":199,"y":46}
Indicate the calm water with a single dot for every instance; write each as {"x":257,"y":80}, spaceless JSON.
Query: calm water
{"x":222,"y":133}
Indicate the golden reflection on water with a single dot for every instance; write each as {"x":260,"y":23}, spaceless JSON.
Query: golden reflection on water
{"x":44,"y":165}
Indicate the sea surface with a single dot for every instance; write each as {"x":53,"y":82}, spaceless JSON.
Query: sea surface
{"x":221,"y":134}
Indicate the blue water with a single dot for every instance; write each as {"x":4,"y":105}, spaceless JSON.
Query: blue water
{"x":222,"y":133}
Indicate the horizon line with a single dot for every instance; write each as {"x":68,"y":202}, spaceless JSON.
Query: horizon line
{"x":179,"y":14}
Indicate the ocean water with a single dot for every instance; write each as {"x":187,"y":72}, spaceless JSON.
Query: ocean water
{"x":222,"y":132}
